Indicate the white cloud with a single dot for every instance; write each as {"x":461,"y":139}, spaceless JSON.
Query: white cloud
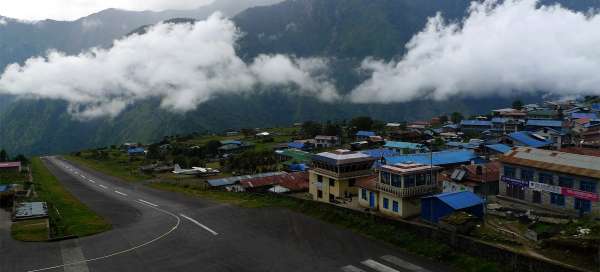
{"x":3,"y":21}
{"x":500,"y":48}
{"x":184,"y":65}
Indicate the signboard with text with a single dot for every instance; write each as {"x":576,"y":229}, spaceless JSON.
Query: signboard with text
{"x":580,"y":194}
{"x":515,"y":182}
{"x":544,"y":187}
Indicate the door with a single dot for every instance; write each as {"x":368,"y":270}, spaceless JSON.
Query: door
{"x":371,"y":199}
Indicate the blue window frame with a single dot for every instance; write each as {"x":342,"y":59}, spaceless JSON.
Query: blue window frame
{"x":565,"y":182}
{"x":557,"y":199}
{"x":363,"y":193}
{"x":588,"y":186}
{"x":583,"y":205}
{"x":545,"y":178}
{"x":526,"y":174}
{"x":509,"y":171}
{"x":386,"y":203}
{"x":395,"y":206}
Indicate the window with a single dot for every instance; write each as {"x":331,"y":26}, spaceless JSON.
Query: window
{"x":319,"y":178}
{"x":395,"y":206}
{"x":331,"y":182}
{"x":351,"y":182}
{"x":557,"y":199}
{"x":385,"y":177}
{"x":565,"y":182}
{"x":331,"y":198}
{"x":396,"y":180}
{"x":545,"y":178}
{"x":537,"y":197}
{"x":420,"y":179}
{"x":363,"y":193}
{"x":386,"y":203}
{"x":319,"y":194}
{"x":588,"y":186}
{"x":526,"y":174}
{"x":409,"y":181}
{"x":583,"y":205}
{"x":509,"y":171}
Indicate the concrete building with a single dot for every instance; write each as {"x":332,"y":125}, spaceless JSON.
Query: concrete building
{"x":8,"y":167}
{"x":323,"y":141}
{"x":397,"y":189}
{"x":553,"y":180}
{"x":334,"y":174}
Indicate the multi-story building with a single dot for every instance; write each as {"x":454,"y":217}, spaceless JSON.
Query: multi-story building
{"x":552,"y":180}
{"x":323,"y":141}
{"x":398,"y":189}
{"x":334,"y":174}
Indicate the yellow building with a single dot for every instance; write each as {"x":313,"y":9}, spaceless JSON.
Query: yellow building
{"x":333,"y":175}
{"x":398,"y":189}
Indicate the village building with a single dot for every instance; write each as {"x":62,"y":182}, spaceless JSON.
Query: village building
{"x":405,"y":147}
{"x":527,"y":139}
{"x":398,"y":189}
{"x":548,"y":114}
{"x":481,"y":179}
{"x":552,"y":180}
{"x":333,"y":175}
{"x":436,"y":207}
{"x":322,"y":141}
{"x":536,"y":124}
{"x":364,"y":135}
{"x":8,"y":167}
{"x":475,"y":126}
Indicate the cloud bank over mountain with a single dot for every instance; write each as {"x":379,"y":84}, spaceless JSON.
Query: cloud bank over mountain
{"x":184,"y":65}
{"x":500,"y":48}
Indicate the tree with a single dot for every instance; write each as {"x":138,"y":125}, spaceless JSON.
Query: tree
{"x":3,"y":155}
{"x":332,"y":129}
{"x":247,"y":132}
{"x":362,"y":123}
{"x":311,"y":129}
{"x":517,"y":104}
{"x":456,"y":117}
{"x":212,"y":147}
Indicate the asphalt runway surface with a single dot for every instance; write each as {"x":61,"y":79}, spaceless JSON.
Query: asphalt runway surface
{"x":155,"y":230}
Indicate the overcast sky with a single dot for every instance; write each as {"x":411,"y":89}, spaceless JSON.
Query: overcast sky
{"x":74,"y":9}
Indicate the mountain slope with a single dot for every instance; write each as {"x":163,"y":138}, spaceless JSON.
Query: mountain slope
{"x":344,"y":30}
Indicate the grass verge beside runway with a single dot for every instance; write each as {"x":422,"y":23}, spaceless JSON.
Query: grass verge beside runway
{"x":68,"y":216}
{"x":117,"y":166}
{"x":30,"y":230}
{"x":360,"y":223}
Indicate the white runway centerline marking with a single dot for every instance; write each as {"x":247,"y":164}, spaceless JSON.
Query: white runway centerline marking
{"x":102,"y":186}
{"x":92,"y":181}
{"x":147,"y":203}
{"x":123,"y":194}
{"x":199,"y":224}
{"x":378,"y":266}
{"x":351,"y":268}
{"x":404,"y":264}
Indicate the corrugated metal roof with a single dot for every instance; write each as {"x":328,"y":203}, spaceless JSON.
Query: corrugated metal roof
{"x":10,"y":164}
{"x":544,"y":123}
{"x":403,"y":145}
{"x":4,"y":188}
{"x":569,"y":163}
{"x":583,"y":115}
{"x":381,"y":152}
{"x":365,"y":133}
{"x":529,"y":139}
{"x":296,"y":145}
{"x":476,"y":123}
{"x":596,"y":107}
{"x":439,"y":158}
{"x":459,"y":200}
{"x":234,"y":180}
{"x":502,"y":148}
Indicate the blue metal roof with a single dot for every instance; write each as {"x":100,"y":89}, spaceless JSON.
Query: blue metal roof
{"x":298,"y":167}
{"x":365,"y":133}
{"x":596,"y":107}
{"x":296,"y":145}
{"x":502,"y":148}
{"x":499,"y":120}
{"x":4,"y":188}
{"x":462,"y":145}
{"x":583,"y":115}
{"x":137,"y":150}
{"x":459,"y":200}
{"x":475,"y":123}
{"x":439,"y":158}
{"x":453,"y":126}
{"x":381,"y":152}
{"x":526,"y":138}
{"x":403,"y":145}
{"x":227,"y":142}
{"x":544,"y":123}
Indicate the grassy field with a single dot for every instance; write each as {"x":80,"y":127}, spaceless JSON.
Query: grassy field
{"x":117,"y":165}
{"x":67,"y":214}
{"x":30,"y":230}
{"x":360,"y":223}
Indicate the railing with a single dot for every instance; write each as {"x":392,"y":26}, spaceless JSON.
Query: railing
{"x":406,"y":192}
{"x":352,"y":174}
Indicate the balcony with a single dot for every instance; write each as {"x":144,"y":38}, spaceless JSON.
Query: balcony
{"x":353,"y":174}
{"x":406,"y":192}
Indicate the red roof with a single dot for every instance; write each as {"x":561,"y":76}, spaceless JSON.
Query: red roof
{"x":10,"y":164}
{"x":367,"y":182}
{"x":490,"y":172}
{"x":581,"y":151}
{"x":293,"y":181}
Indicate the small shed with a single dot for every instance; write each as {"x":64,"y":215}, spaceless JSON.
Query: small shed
{"x":435,"y":207}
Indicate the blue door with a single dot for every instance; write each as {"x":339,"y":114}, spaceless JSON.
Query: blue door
{"x":372,"y":199}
